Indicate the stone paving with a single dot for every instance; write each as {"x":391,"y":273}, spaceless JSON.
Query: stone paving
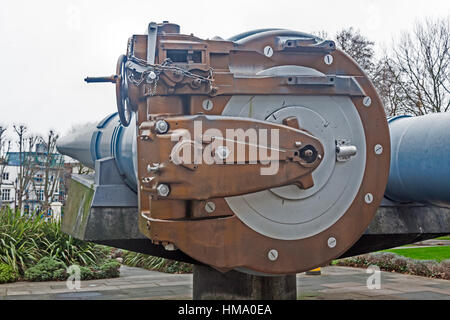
{"x":134,"y":283}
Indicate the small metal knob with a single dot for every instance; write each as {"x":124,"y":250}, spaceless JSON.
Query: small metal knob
{"x":161,"y":126}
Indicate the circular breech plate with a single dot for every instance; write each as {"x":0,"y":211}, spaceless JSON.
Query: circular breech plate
{"x":291,"y":213}
{"x":299,"y":223}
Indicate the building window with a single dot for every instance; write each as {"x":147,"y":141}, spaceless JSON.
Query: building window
{"x":5,"y":176}
{"x":38,"y":178}
{"x":40,"y":195}
{"x":6,"y":194}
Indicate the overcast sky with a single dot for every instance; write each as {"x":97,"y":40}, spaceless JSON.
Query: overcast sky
{"x":48,"y":47}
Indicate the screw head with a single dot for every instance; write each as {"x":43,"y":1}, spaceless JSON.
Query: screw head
{"x":161,"y":126}
{"x":378,"y":149}
{"x":210,"y":206}
{"x":268,"y":51}
{"x":163,"y":190}
{"x":272,"y":254}
{"x":328,"y":59}
{"x":367,"y":101}
{"x":368,"y":198}
{"x":207,"y":104}
{"x":331,"y":242}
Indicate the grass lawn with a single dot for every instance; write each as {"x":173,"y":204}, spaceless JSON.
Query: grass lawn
{"x":443,"y":238}
{"x":431,"y":253}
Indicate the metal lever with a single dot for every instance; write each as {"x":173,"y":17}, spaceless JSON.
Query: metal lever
{"x":112,"y":79}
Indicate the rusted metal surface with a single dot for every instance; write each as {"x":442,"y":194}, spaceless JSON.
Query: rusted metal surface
{"x":192,"y":76}
{"x":216,"y":175}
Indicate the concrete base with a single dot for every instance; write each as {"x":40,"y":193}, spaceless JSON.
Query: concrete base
{"x":210,"y":284}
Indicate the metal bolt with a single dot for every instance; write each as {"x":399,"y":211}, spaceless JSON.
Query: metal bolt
{"x":272,"y":255}
{"x":210,"y":207}
{"x":331,"y":242}
{"x":378,"y":149}
{"x":151,"y":76}
{"x":153,"y":168}
{"x":268,"y":51}
{"x":368,"y":198}
{"x":207,"y":104}
{"x":308,"y":153}
{"x":222,"y":152}
{"x":328,"y":59}
{"x":367,"y":101}
{"x":163,"y":190}
{"x":161,"y":126}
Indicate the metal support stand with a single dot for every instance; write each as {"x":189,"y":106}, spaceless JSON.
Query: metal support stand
{"x":210,"y":284}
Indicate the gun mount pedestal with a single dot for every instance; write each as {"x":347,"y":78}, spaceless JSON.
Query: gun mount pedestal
{"x":210,"y":284}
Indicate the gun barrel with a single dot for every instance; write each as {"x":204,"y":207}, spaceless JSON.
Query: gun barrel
{"x":106,"y":139}
{"x":420,"y":159}
{"x":420,"y":154}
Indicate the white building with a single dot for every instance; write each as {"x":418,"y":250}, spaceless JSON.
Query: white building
{"x":34,"y":193}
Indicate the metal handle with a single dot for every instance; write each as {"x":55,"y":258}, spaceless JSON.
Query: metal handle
{"x":111,"y":79}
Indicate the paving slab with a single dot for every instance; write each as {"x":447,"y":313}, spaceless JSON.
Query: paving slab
{"x":337,"y":283}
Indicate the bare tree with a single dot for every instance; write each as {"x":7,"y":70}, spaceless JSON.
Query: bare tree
{"x":420,"y":67}
{"x":358,"y":47}
{"x":5,"y":146}
{"x":49,"y":165}
{"x":26,"y":165}
{"x":386,"y":81}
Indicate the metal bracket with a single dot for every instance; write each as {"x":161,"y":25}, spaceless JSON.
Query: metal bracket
{"x":304,"y":44}
{"x":151,"y":42}
{"x":342,"y":85}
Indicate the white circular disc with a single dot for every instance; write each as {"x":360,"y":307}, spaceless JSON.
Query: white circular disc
{"x":290,"y":213}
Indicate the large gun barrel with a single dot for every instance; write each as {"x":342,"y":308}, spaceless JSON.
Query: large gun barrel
{"x":106,"y":139}
{"x":420,"y":159}
{"x":419,"y":169}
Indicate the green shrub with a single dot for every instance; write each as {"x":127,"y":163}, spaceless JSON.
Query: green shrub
{"x":39,"y":251}
{"x":135,"y":259}
{"x":110,"y":269}
{"x":25,"y":239}
{"x":7,"y":273}
{"x":19,"y":238}
{"x":60,"y":274}
{"x":86,"y":273}
{"x":45,"y":270}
